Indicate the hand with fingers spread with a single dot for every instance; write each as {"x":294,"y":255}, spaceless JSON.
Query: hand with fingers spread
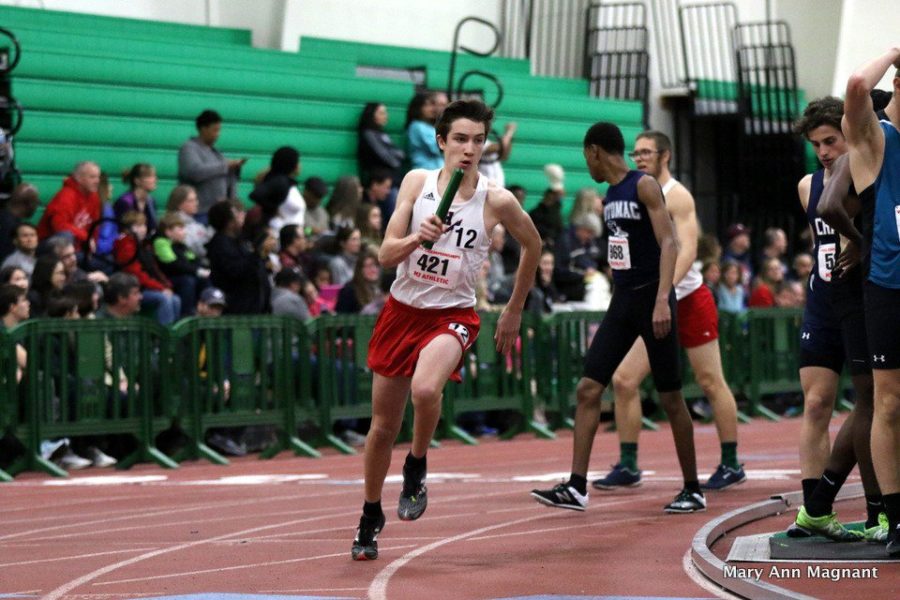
{"x":507,"y":330}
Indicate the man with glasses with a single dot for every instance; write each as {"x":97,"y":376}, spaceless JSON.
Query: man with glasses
{"x":698,"y":332}
{"x":642,"y":253}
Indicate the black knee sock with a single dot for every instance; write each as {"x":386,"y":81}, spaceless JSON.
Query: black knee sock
{"x":693,"y":487}
{"x":578,"y":482}
{"x":821,"y":501}
{"x":892,"y":508}
{"x":874,"y":507}
{"x":415,"y":466}
{"x":808,"y":486}
{"x":372,"y":510}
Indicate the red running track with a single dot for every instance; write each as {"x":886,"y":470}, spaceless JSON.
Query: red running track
{"x":285,"y":526}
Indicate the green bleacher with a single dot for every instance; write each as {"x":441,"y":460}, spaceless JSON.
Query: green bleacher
{"x":124,"y":91}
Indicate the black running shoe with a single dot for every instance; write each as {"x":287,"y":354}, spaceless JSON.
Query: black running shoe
{"x":686,"y":502}
{"x":724,"y":478}
{"x":413,"y":497}
{"x":619,"y":477}
{"x":365,"y":546}
{"x":561,"y":496}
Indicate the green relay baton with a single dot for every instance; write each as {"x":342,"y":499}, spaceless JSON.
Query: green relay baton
{"x":446,"y":200}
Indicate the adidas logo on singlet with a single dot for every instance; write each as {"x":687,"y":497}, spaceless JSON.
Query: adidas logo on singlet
{"x":428,"y":196}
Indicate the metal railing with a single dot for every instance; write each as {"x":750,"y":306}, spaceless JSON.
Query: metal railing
{"x":456,"y":91}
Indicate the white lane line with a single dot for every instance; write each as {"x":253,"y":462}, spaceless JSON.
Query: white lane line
{"x":701,"y":580}
{"x":64,"y":589}
{"x":73,"y":557}
{"x":270,"y":563}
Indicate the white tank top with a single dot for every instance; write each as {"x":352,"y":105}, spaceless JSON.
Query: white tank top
{"x":445,"y":276}
{"x":693,"y":279}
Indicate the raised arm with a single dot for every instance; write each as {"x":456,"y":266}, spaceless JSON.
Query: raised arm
{"x":650,"y":194}
{"x":860,"y":125}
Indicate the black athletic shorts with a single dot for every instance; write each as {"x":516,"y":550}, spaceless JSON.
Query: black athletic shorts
{"x":821,"y":346}
{"x":883,"y":326}
{"x":848,"y":302}
{"x":630,"y":315}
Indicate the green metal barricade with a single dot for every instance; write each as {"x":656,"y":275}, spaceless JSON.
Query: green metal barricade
{"x":344,"y":386}
{"x":97,"y":377}
{"x":569,"y":336}
{"x":238,"y":371}
{"x":493,"y":381}
{"x":9,"y":392}
{"x":774,"y":347}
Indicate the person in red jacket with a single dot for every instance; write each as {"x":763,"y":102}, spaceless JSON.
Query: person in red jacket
{"x":133,"y":256}
{"x":75,"y":207}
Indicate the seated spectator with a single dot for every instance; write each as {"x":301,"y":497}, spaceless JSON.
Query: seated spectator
{"x":49,"y":275}
{"x":375,"y":150}
{"x":790,"y":294}
{"x":202,"y":166}
{"x":803,"y":266}
{"x":286,"y":295}
{"x":15,"y":309}
{"x":379,"y":191}
{"x":15,"y":276}
{"x":184,"y":204}
{"x":344,"y":202}
{"x":211,"y":303}
{"x":141,"y":180}
{"x":21,"y":206}
{"x":587,"y":202}
{"x":266,"y":246}
{"x":341,"y":265}
{"x":316,"y":218}
{"x":774,"y":246}
{"x":498,"y":283}
{"x":369,"y":222}
{"x":711,"y":272}
{"x":362,"y":294}
{"x":234,"y":266}
{"x":578,"y":256}
{"x":87,"y":295}
{"x":61,"y":246}
{"x":75,"y":208}
{"x":121,"y":297}
{"x":547,"y":215}
{"x":731,"y":295}
{"x":737,"y":249}
{"x":421,"y":138}
{"x":99,"y":257}
{"x":26,"y":244}
{"x":544,"y":294}
{"x":770,"y":276}
{"x":134,"y":257}
{"x":708,"y":249}
{"x":61,"y":305}
{"x":317,"y":306}
{"x":294,"y":250}
{"x":178,"y":263}
{"x":277,"y":196}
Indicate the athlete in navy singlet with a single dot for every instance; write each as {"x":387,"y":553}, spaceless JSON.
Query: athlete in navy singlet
{"x":641,"y":252}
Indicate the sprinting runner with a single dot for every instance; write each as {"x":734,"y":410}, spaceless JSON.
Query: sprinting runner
{"x":429,"y":320}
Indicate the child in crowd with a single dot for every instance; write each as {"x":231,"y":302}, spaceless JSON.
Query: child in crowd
{"x":178,"y":262}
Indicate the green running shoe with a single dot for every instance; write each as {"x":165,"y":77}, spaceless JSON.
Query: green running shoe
{"x":827,"y":526}
{"x":879,"y":533}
